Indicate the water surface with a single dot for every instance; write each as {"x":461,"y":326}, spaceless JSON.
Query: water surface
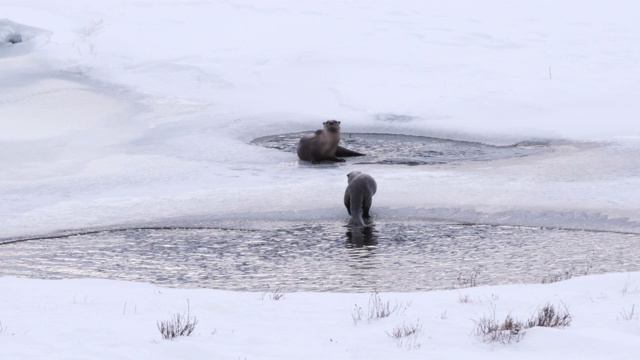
{"x":392,"y":149}
{"x":327,"y":256}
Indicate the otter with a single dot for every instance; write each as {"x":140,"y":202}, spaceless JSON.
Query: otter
{"x":358,"y":196}
{"x":323,"y":145}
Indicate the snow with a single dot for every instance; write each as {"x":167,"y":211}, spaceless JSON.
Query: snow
{"x":168,"y":95}
{"x":106,"y":319}
{"x":141,"y":111}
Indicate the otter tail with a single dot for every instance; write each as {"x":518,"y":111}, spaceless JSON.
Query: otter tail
{"x":344,"y":152}
{"x":356,"y":210}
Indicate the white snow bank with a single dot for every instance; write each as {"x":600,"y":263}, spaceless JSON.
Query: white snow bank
{"x":101,"y":319}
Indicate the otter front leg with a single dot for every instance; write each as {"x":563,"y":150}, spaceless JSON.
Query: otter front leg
{"x":314,"y":160}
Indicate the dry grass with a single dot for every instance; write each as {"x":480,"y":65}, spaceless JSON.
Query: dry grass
{"x":178,"y":325}
{"x":377,"y":309}
{"x":469,"y":279}
{"x":407,"y":335}
{"x":404,"y":330}
{"x":513,"y":330}
{"x":626,"y":289}
{"x":273,"y":295}
{"x":568,"y":274}
{"x":550,"y":316}
{"x":491,"y":330}
{"x":626,"y":315}
{"x":409,"y":343}
{"x":356,"y":314}
{"x":548,"y":279}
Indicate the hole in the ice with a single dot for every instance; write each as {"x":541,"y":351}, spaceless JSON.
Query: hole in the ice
{"x":393,"y":149}
{"x":13,"y":38}
{"x":18,"y":39}
{"x":326,"y":256}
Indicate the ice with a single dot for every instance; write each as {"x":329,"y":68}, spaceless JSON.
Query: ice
{"x":143,"y":111}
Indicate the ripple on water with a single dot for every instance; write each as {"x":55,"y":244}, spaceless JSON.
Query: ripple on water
{"x":393,"y":256}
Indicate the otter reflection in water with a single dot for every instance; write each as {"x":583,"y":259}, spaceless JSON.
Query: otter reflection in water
{"x":361,"y":236}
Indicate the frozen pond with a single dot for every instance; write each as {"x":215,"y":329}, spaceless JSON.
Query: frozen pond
{"x":325,"y":256}
{"x":410,"y":150}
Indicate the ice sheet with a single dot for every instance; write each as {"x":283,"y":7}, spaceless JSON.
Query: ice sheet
{"x":144,"y":111}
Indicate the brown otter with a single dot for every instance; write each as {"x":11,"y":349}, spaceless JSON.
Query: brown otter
{"x":323,"y":145}
{"x":358,"y":196}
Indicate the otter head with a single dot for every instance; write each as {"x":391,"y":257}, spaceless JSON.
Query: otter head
{"x":352,"y":175}
{"x":332,"y":125}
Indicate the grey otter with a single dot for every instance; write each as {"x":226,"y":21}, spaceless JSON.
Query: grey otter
{"x":358,"y":196}
{"x":323,"y":145}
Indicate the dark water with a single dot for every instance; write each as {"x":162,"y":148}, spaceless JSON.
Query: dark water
{"x":410,"y":150}
{"x":325,"y":256}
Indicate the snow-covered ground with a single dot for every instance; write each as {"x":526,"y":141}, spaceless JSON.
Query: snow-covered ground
{"x":125,"y":112}
{"x":105,"y":319}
